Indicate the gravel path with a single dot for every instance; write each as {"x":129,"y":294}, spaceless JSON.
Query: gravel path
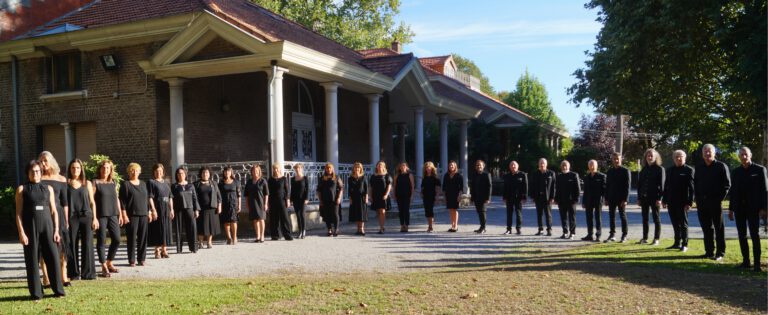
{"x":391,"y":252}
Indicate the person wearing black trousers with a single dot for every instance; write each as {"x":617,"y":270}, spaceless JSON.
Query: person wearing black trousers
{"x":568,"y":188}
{"x":480,"y":191}
{"x":430,"y":185}
{"x":186,"y":208}
{"x":82,"y":221}
{"x":299,"y":196}
{"x":710,"y":186}
{"x":749,"y":201}
{"x":38,"y":226}
{"x":329,"y":191}
{"x":616,"y":196}
{"x":279,"y":201}
{"x":542,"y":192}
{"x":650,"y":189}
{"x":110,"y":217}
{"x":515,"y":192}
{"x":52,"y":177}
{"x":453,"y":187}
{"x":678,"y":198}
{"x":134,"y":201}
{"x":403,"y":195}
{"x":592,"y":200}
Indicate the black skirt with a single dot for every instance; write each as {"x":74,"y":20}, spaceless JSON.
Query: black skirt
{"x":208,"y":223}
{"x":358,"y":212}
{"x":160,"y":229}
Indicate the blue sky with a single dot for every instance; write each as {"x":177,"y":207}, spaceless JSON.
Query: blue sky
{"x":505,"y":37}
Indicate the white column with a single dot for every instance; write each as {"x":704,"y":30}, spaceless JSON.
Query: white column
{"x":401,"y":137}
{"x":69,"y":144}
{"x":373,"y":125}
{"x":463,"y":157}
{"x":443,"y":141}
{"x":419,"y":144}
{"x":332,"y":122}
{"x":278,"y":142}
{"x":176,"y":88}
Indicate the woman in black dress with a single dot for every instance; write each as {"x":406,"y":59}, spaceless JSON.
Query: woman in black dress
{"x":160,"y":202}
{"x":329,"y":191}
{"x":82,"y":220}
{"x":230,"y":204}
{"x":257,"y":199}
{"x":299,"y":196}
{"x":453,"y":186}
{"x":38,"y":225}
{"x":429,"y":189}
{"x":134,"y":201}
{"x":358,"y":198}
{"x":51,"y":177}
{"x":278,"y":204}
{"x":187,"y":209}
{"x":209,"y":196}
{"x":403,"y":195}
{"x":381,"y":185}
{"x":110,"y":217}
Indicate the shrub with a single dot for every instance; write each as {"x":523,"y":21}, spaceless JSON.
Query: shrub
{"x":92,"y":167}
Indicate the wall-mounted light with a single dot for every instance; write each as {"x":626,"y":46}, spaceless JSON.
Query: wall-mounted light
{"x":109,"y":62}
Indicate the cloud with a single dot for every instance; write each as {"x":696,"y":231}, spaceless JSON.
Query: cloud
{"x":419,"y":51}
{"x":504,"y":31}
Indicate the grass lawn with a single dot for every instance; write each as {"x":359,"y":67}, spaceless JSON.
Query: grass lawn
{"x":594,"y":279}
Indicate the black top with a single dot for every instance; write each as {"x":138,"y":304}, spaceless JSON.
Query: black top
{"x":299,"y":189}
{"x":106,"y":199}
{"x":481,"y":188}
{"x":329,"y":189}
{"x":279,"y":191}
{"x":429,"y":185}
{"x":453,"y":186}
{"x":568,"y":188}
{"x":542,"y":185}
{"x":678,"y":187}
{"x":60,"y":199}
{"x":358,"y":188}
{"x":208,"y":195}
{"x":36,"y":204}
{"x":515,"y":186}
{"x":159,"y":192}
{"x":230,"y":194}
{"x":256,"y":192}
{"x":594,"y":189}
{"x":134,"y":198}
{"x":79,"y":201}
{"x":379,"y":185}
{"x":650,"y":183}
{"x":185,"y":196}
{"x":403,"y":186}
{"x":748,"y":192}
{"x":711,"y":182}
{"x":618,"y":184}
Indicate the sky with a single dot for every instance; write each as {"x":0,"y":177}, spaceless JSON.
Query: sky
{"x":506,"y":37}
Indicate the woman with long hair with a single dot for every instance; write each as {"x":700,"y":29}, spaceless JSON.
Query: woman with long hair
{"x":650,"y":190}
{"x":257,"y":199}
{"x":82,"y":221}
{"x":209,"y":196}
{"x":299,"y":196}
{"x":403,"y":195}
{"x":109,"y":215}
{"x":187,"y":209}
{"x":453,"y":186}
{"x":358,"y":198}
{"x":51,"y":177}
{"x":160,"y":202}
{"x":230,"y":203}
{"x":329,"y":191}
{"x":430,"y":185}
{"x":278,"y":204}
{"x":381,"y":185}
{"x":134,"y":201}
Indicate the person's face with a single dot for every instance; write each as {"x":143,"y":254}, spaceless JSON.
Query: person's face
{"x":276,"y":172}
{"x":328,"y":169}
{"x":75,"y":169}
{"x":679,"y":159}
{"x":105,"y":170}
{"x":708,"y":154}
{"x":616,"y":160}
{"x":227,"y":173}
{"x":452,"y":167}
{"x":134,"y":173}
{"x":158,"y":173}
{"x":565,"y":167}
{"x":513,"y":167}
{"x":255,"y":173}
{"x":357,"y":170}
{"x":34,"y":174}
{"x":205,"y":176}
{"x":299,"y":170}
{"x":592,"y":166}
{"x":479,"y":166}
{"x":44,"y":163}
{"x":745,"y":157}
{"x":181,"y":176}
{"x":542,"y":165}
{"x":403,"y":168}
{"x":649,"y":157}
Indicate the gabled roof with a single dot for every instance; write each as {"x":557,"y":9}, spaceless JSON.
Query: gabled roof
{"x":388,"y":65}
{"x":437,"y":64}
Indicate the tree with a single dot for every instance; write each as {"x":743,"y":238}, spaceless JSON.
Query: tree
{"x":469,"y":67}
{"x":357,"y":24}
{"x":690,"y":73}
{"x":531,"y":97}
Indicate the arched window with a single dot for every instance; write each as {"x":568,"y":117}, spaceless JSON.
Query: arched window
{"x":303,"y":125}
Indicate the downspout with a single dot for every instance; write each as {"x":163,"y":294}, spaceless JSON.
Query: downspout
{"x":15,"y":112}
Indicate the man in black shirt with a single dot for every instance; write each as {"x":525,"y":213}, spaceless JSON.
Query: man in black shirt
{"x":542,"y":191}
{"x":711,"y":185}
{"x":515,"y":190}
{"x":568,"y":190}
{"x":616,"y":196}
{"x":749,"y":198}
{"x":678,"y":198}
{"x":481,"y":193}
{"x":592,"y":201}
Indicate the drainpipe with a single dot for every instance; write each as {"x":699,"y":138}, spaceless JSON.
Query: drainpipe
{"x":15,"y":113}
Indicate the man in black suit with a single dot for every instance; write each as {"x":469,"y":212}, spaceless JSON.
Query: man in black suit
{"x":678,"y":198}
{"x":480,"y":193}
{"x":568,"y":190}
{"x":749,"y":198}
{"x":592,"y":201}
{"x":515,"y":190}
{"x":542,"y":191}
{"x":711,"y":185}
{"x":616,"y":196}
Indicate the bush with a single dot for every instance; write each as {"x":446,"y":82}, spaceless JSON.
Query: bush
{"x":8,"y":211}
{"x":92,"y":167}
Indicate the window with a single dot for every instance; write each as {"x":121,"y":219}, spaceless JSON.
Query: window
{"x":304,"y":104}
{"x":65,"y":73}
{"x":84,"y":142}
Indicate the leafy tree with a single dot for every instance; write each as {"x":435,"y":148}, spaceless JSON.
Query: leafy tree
{"x":357,"y":24}
{"x":690,"y":72}
{"x":531,"y":97}
{"x":469,"y":67}
{"x":596,"y":140}
{"x":527,"y":147}
{"x":91,"y":168}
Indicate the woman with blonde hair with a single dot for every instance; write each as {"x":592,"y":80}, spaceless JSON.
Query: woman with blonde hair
{"x":299,"y":196}
{"x":278,"y":204}
{"x":650,"y":190}
{"x":381,"y":185}
{"x":51,"y":177}
{"x":358,"y":198}
{"x":160,"y":202}
{"x":453,"y":186}
{"x":109,"y":215}
{"x":430,"y":185}
{"x":134,"y":201}
{"x":83,"y":220}
{"x":329,"y":191}
{"x":230,"y":203}
{"x":403,"y":195}
{"x":257,"y":200}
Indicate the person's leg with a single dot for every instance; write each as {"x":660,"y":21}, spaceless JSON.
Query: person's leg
{"x":480,"y":209}
{"x":674,"y":217}
{"x":227,"y":229}
{"x":518,"y":208}
{"x":753,"y":224}
{"x":590,"y":213}
{"x":75,"y":229}
{"x":572,"y":219}
{"x":101,"y":239}
{"x":539,"y":214}
{"x":285,"y":224}
{"x":598,"y":221}
{"x":32,"y":263}
{"x":274,"y":223}
{"x":142,"y":239}
{"x":656,"y":221}
{"x":563,"y":209}
{"x":717,"y":222}
{"x":262,"y":229}
{"x":298,"y":207}
{"x":382,"y":218}
{"x":50,"y":254}
{"x":132,"y":229}
{"x":612,"y":219}
{"x":114,"y":240}
{"x":624,"y":223}
{"x":548,"y":212}
{"x":87,"y":265}
{"x":741,"y":229}
{"x":233,"y":226}
{"x":705,"y":220}
{"x":190,"y":229}
{"x":644,"y":210}
{"x":683,"y":226}
{"x":407,"y":209}
{"x":401,"y":213}
{"x":510,"y":212}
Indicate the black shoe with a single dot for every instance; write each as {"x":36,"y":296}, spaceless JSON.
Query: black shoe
{"x":683,"y":248}
{"x":549,"y":233}
{"x":597,"y":239}
{"x":587,"y":238}
{"x":508,"y":232}
{"x":381,"y":232}
{"x":452,"y":230}
{"x":623,"y":239}
{"x":674,"y":246}
{"x":480,"y":231}
{"x":744,"y":265}
{"x":564,"y":236}
{"x":67,"y":284}
{"x":707,"y":256}
{"x":59,"y":295}
{"x":275,"y":238}
{"x":518,"y":232}
{"x":540,"y":232}
{"x":362,"y":234}
{"x":757,"y":268}
{"x":289,"y":238}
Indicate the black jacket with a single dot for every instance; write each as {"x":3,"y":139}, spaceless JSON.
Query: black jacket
{"x":678,"y":188}
{"x":711,"y":182}
{"x":568,"y":188}
{"x":515,"y":187}
{"x":617,"y":185}
{"x":650,"y":183}
{"x":541,"y":185}
{"x":594,"y":189}
{"x":481,"y":187}
{"x":749,"y":192}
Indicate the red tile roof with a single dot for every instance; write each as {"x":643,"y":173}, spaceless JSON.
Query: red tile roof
{"x":389,"y":65}
{"x":435,"y":63}
{"x":377,"y":52}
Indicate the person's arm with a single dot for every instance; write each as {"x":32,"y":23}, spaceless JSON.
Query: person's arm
{"x":123,"y":199}
{"x":305,"y":193}
{"x":19,"y":225}
{"x":388,"y":181}
{"x":726,"y":184}
{"x":55,"y":215}
{"x":628,"y":182}
{"x":661,"y":186}
{"x":265,"y":191}
{"x":365,"y":191}
{"x":525,"y":187}
{"x":691,"y":190}
{"x":410,"y":177}
{"x":92,"y":201}
{"x":151,"y":193}
{"x":287,"y":187}
{"x":553,"y":188}
{"x":195,"y":202}
{"x":218,"y":195}
{"x":394,"y":187}
{"x":734,"y":202}
{"x":64,"y":200}
{"x":577,"y":187}
{"x":339,"y":190}
{"x":120,"y":218}
{"x":239,"y":191}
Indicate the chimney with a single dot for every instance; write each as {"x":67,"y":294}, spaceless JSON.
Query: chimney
{"x":397,"y":46}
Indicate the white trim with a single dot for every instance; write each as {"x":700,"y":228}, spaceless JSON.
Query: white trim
{"x":64,"y":96}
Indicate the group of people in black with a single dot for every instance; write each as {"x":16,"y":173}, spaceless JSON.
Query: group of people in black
{"x":57,"y":216}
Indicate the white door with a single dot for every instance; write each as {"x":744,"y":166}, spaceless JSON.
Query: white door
{"x":303,"y":138}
